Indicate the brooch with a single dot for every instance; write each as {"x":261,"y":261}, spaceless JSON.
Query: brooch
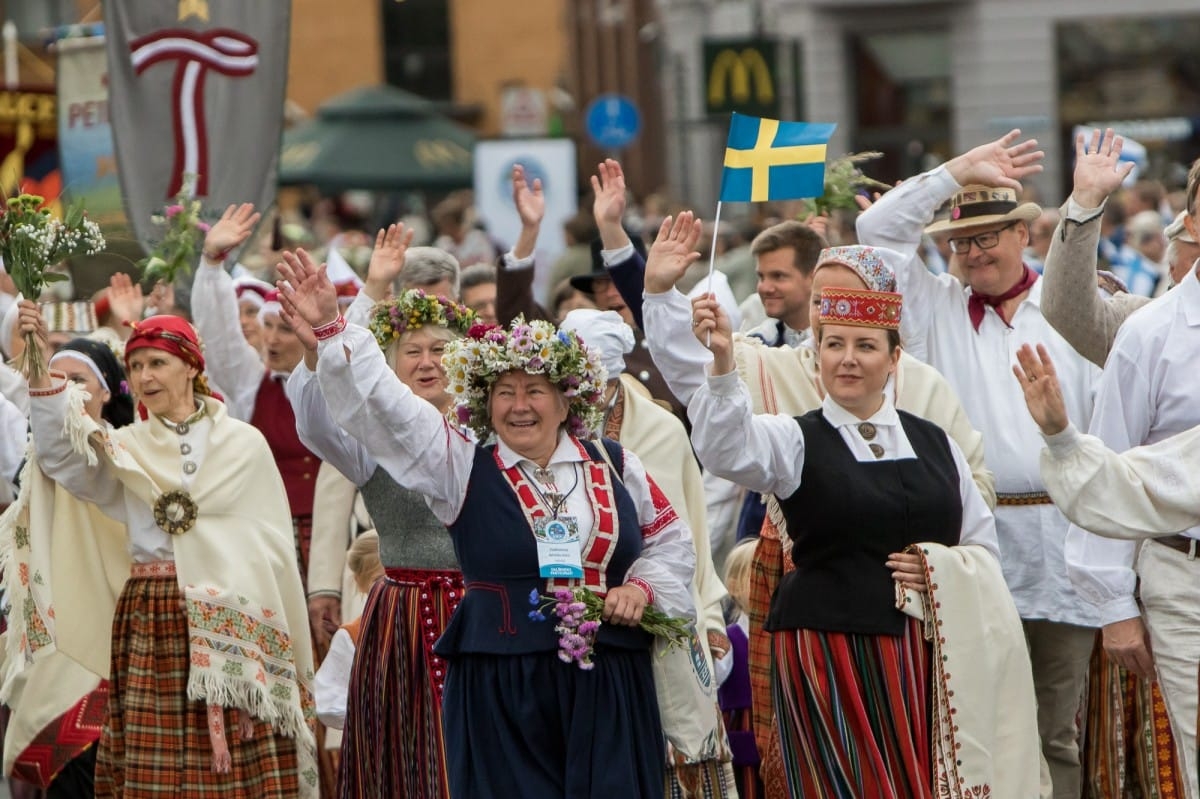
{"x":175,"y":512}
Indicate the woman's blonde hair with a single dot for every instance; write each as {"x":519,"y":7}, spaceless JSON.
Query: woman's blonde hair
{"x":737,"y":571}
{"x":392,"y":350}
{"x":362,"y":558}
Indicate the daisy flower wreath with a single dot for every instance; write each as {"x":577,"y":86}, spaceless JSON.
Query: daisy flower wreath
{"x":474,"y":363}
{"x":415,"y":309}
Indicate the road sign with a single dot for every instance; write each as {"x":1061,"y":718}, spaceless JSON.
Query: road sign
{"x":613,"y":121}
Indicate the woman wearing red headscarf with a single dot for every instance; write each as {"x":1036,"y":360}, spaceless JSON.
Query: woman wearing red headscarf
{"x":211,"y":670}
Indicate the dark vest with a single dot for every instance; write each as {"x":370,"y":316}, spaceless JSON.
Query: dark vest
{"x":274,"y":419}
{"x":410,"y":536}
{"x":498,"y":557}
{"x":847,"y":517}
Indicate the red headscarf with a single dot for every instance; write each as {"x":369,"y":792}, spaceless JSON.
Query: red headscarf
{"x":170,"y":334}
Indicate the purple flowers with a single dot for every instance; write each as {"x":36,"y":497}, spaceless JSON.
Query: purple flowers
{"x":576,"y":632}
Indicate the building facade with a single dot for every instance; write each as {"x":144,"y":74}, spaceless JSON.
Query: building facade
{"x":921,"y":81}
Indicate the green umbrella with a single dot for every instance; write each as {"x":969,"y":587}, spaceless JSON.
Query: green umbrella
{"x":381,"y":139}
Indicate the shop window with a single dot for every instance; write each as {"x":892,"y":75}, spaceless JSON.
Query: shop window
{"x":416,"y":44}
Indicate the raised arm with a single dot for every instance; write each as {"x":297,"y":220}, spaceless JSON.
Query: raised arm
{"x":515,"y":269}
{"x":1070,"y":301}
{"x":764,"y":453}
{"x":233,"y":363}
{"x":404,"y":433}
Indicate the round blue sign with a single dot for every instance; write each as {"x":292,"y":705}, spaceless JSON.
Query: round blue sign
{"x":613,"y":121}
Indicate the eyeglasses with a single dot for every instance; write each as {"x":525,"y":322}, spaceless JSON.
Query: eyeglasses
{"x":984,"y":241}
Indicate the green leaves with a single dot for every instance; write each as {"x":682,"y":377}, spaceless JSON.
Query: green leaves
{"x":183,"y":237}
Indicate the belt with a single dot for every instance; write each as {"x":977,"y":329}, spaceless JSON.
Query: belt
{"x":1180,"y":543}
{"x":154,"y":568}
{"x":1027,"y":498}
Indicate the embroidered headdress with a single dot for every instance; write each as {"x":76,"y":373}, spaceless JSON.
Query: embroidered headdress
{"x":415,"y":309}
{"x":861,"y":308}
{"x":869,"y":263}
{"x":474,"y":363}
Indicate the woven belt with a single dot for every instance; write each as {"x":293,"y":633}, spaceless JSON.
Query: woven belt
{"x":1180,"y":543}
{"x":1028,"y":498}
{"x":155,"y":568}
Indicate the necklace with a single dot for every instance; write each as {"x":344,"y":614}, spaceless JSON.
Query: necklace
{"x":182,"y":428}
{"x":548,"y":492}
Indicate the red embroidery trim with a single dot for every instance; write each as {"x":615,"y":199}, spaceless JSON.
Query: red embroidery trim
{"x":49,"y":392}
{"x":664,"y":514}
{"x":507,"y":625}
{"x":330,"y":330}
{"x":645,"y":586}
{"x":439,"y":590}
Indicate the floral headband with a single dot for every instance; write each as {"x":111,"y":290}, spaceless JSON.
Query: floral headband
{"x":415,"y":309}
{"x":474,"y":363}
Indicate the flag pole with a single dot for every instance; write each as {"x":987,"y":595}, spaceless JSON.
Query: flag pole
{"x":712,"y":257}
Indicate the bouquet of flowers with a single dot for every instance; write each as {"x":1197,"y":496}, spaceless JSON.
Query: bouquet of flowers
{"x":579,"y":613}
{"x":843,"y":181}
{"x":182,"y":240}
{"x":31,"y":241}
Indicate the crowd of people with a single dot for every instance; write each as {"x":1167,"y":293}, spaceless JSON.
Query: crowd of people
{"x":900,"y":503}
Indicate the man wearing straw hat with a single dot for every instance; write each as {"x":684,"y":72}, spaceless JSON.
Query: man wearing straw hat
{"x":972,"y":337}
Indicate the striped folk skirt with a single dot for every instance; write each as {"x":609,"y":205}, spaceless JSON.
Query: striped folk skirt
{"x":155,"y":744}
{"x":1128,"y":746}
{"x":853,"y":714}
{"x":392,"y":742}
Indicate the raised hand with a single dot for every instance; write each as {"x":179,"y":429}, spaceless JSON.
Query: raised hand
{"x":1043,"y":394}
{"x":293,"y":319}
{"x":230,"y":231}
{"x":528,"y":198}
{"x":1099,"y":170}
{"x":312,"y":295}
{"x":819,"y":224}
{"x":162,"y":298}
{"x":673,"y":251}
{"x":125,"y":299}
{"x":1000,"y":163}
{"x":609,"y":187}
{"x":387,"y":260}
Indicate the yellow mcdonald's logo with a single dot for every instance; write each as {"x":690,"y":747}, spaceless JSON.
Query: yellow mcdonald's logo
{"x":733,"y":71}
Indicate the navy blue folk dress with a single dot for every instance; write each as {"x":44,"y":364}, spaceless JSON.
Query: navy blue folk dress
{"x":519,"y":722}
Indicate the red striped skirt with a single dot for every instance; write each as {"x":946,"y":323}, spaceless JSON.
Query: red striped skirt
{"x":155,"y":744}
{"x":392,"y":744}
{"x":853,"y":714}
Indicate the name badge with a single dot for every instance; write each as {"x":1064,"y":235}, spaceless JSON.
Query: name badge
{"x":558,"y":548}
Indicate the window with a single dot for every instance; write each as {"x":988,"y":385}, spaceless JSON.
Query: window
{"x":416,"y":46}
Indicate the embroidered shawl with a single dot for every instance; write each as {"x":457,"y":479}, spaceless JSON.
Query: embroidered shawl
{"x":247,"y":615}
{"x":984,"y":720}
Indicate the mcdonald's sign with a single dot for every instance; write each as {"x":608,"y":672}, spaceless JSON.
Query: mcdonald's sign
{"x":741,"y":75}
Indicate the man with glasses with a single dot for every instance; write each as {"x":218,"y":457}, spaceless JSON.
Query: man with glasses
{"x":972,"y":337}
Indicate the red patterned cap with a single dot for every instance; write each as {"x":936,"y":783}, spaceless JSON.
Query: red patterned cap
{"x":840,"y":306}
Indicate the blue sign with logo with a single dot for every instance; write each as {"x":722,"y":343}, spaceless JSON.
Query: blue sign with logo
{"x":613,"y":121}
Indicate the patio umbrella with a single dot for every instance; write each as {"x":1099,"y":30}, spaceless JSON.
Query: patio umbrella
{"x":379,"y":138}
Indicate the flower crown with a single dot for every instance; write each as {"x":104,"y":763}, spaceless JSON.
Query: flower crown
{"x":414,"y":309}
{"x":474,"y":363}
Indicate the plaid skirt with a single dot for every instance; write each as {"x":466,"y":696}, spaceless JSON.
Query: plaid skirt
{"x":853,"y":714}
{"x":155,"y":744}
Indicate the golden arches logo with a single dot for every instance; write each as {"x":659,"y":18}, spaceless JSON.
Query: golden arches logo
{"x":733,"y":71}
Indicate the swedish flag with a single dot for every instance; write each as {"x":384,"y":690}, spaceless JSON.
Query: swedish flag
{"x":766,"y":159}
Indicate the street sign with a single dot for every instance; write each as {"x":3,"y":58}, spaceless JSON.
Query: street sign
{"x":613,"y":121}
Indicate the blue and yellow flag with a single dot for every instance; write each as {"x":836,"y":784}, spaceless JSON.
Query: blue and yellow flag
{"x":766,"y":159}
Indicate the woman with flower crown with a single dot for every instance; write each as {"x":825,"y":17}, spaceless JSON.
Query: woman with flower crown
{"x":392,"y":743}
{"x":525,"y":713}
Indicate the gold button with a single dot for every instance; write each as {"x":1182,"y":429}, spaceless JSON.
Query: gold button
{"x":877,"y":450}
{"x":308,"y":458}
{"x":867,"y":430}
{"x":307,"y":476}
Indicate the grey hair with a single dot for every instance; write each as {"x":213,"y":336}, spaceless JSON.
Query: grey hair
{"x":1172,"y":252}
{"x":477,"y":275}
{"x":426,"y":265}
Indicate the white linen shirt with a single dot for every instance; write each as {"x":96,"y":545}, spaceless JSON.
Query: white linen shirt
{"x":421,"y":450}
{"x":99,"y":484}
{"x":765,"y":452}
{"x":230,"y":361}
{"x":935,"y":325}
{"x":1148,"y":392}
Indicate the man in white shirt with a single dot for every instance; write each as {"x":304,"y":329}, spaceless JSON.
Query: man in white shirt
{"x":1148,"y":393}
{"x":972,"y":337}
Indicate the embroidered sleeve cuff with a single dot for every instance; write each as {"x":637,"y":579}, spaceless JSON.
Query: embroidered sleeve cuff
{"x":323,"y":593}
{"x":55,"y":388}
{"x":331,"y":329}
{"x":645,"y":586}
